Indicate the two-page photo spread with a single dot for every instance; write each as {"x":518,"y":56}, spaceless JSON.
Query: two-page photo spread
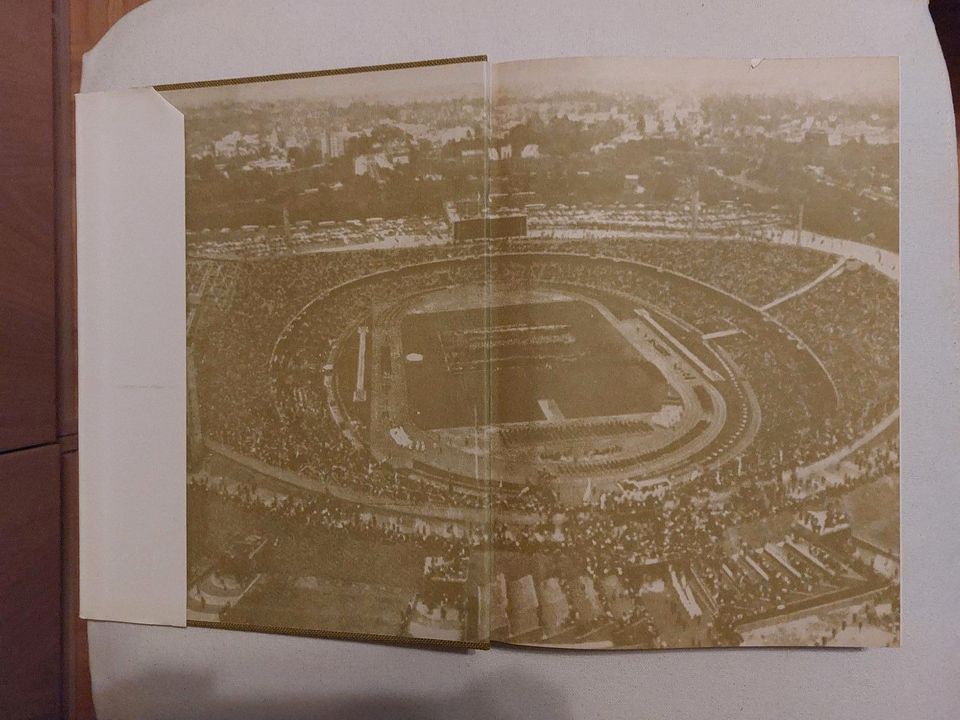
{"x":586,"y":352}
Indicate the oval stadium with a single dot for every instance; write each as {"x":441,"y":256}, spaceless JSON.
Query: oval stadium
{"x":654,"y":439}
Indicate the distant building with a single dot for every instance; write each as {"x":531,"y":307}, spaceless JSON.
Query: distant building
{"x":530,"y":152}
{"x":451,"y":134}
{"x":371,"y":164}
{"x":227,"y":145}
{"x":272,"y":165}
{"x":332,"y":144}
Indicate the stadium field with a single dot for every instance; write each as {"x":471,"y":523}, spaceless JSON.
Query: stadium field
{"x":550,"y":361}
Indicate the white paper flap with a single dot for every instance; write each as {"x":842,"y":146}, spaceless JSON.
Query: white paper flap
{"x":130,"y":244}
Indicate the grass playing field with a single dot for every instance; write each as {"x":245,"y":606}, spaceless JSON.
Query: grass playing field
{"x":548,"y":361}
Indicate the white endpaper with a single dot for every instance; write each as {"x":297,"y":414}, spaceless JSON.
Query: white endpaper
{"x":131,"y":305}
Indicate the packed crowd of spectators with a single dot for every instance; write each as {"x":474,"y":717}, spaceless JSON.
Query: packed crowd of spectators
{"x":714,"y":221}
{"x":852,"y":322}
{"x":261,"y":390}
{"x":297,"y":531}
{"x":631,"y":541}
{"x":279,"y":415}
{"x":756,"y":272}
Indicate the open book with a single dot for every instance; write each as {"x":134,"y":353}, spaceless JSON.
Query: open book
{"x":594,"y":352}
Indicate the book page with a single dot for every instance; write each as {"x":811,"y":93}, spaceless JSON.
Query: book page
{"x":335,"y":482}
{"x":130,"y":197}
{"x":694,"y":352}
{"x":141,"y":670}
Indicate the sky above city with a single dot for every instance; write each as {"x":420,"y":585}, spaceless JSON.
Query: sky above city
{"x":433,"y":82}
{"x":851,"y":79}
{"x":848,"y":78}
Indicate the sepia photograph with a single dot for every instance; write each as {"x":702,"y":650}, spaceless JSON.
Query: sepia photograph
{"x":583,"y":353}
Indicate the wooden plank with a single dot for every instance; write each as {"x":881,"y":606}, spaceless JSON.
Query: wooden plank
{"x":30,"y":583}
{"x":77,"y":698}
{"x":66,"y":263}
{"x":27,"y":240}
